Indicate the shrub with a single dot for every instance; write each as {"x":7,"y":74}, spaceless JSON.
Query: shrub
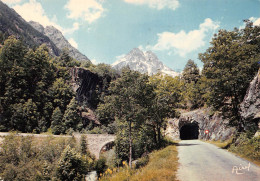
{"x":141,"y":162}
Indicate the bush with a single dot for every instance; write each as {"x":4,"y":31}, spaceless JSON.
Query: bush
{"x":96,"y":130}
{"x":100,"y":166}
{"x":71,"y":166}
{"x":247,"y":147}
{"x":141,"y":162}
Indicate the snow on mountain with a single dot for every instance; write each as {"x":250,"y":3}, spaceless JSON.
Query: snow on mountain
{"x":144,"y":62}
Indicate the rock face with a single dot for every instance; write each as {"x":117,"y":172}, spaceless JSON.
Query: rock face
{"x":250,"y":107}
{"x":144,"y":62}
{"x":88,"y":86}
{"x":59,"y":40}
{"x":12,"y":23}
{"x":192,"y":125}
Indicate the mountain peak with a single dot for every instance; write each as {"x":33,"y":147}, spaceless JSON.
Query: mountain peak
{"x":59,"y":40}
{"x":144,"y":62}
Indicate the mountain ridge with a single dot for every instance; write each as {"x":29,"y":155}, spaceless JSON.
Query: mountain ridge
{"x":11,"y":23}
{"x":59,"y":40}
{"x":144,"y":62}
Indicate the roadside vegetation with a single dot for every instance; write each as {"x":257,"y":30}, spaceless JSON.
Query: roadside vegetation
{"x":44,"y":158}
{"x":36,"y":96}
{"x":245,"y":146}
{"x":159,"y":165}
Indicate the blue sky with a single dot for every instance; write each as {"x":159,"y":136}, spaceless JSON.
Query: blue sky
{"x":176,"y":30}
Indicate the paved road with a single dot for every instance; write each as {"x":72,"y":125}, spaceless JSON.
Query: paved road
{"x":200,"y":161}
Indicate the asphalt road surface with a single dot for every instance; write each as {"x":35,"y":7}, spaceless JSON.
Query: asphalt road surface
{"x":200,"y":161}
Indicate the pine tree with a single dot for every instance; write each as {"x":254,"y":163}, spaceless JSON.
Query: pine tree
{"x":56,"y":124}
{"x":83,"y":145}
{"x":191,"y":72}
{"x":71,"y":116}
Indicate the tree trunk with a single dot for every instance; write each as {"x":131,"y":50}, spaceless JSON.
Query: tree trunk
{"x":154,"y":136}
{"x":130,"y":144}
{"x":158,"y":135}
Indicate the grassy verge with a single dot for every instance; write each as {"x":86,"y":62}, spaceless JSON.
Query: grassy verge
{"x":247,"y":148}
{"x":221,"y":144}
{"x":162,"y":165}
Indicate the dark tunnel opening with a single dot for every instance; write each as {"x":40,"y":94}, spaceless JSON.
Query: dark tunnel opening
{"x":189,"y":131}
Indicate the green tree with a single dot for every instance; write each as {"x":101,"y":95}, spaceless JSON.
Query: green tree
{"x":166,"y":99}
{"x":129,"y":95}
{"x":191,"y":72}
{"x":229,"y":65}
{"x":61,"y":93}
{"x":83,"y":145}
{"x":72,"y":118}
{"x":57,"y":124}
{"x":71,"y":167}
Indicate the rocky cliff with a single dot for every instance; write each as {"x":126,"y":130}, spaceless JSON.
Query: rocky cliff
{"x":250,"y":107}
{"x":88,"y":86}
{"x":12,"y":23}
{"x":195,"y":123}
{"x":59,"y":40}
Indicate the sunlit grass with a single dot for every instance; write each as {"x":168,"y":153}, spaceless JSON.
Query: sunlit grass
{"x":162,"y":166}
{"x":221,"y":144}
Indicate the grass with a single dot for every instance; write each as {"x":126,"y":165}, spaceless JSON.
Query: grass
{"x":221,"y":144}
{"x":162,"y":166}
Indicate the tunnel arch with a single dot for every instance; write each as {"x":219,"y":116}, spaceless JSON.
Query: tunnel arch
{"x":189,"y":131}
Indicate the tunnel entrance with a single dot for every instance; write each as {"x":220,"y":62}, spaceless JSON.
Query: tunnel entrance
{"x":189,"y":131}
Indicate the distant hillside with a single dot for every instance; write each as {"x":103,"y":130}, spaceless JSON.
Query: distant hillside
{"x":59,"y":40}
{"x":144,"y":62}
{"x":12,"y":23}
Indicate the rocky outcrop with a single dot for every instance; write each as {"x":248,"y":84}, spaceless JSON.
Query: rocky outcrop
{"x":59,"y":40}
{"x":202,"y":118}
{"x":250,"y":107}
{"x":88,"y":86}
{"x":12,"y":23}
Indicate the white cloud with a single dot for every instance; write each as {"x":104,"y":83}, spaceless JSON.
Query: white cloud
{"x":256,"y":21}
{"x":33,"y":11}
{"x":11,"y":1}
{"x":71,"y":30}
{"x":183,"y":43}
{"x":157,"y":4}
{"x":73,"y":43}
{"x":88,"y":10}
{"x":94,"y":61}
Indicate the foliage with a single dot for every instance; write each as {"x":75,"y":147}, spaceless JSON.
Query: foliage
{"x":70,"y":166}
{"x":57,"y":124}
{"x":129,"y":98}
{"x":247,"y":147}
{"x":31,"y":87}
{"x":72,"y":118}
{"x":191,"y":72}
{"x":229,"y":65}
{"x":100,"y":166}
{"x":192,"y":87}
{"x":141,"y":162}
{"x":83,"y":145}
{"x":167,"y":95}
{"x":162,"y":165}
{"x":32,"y":158}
